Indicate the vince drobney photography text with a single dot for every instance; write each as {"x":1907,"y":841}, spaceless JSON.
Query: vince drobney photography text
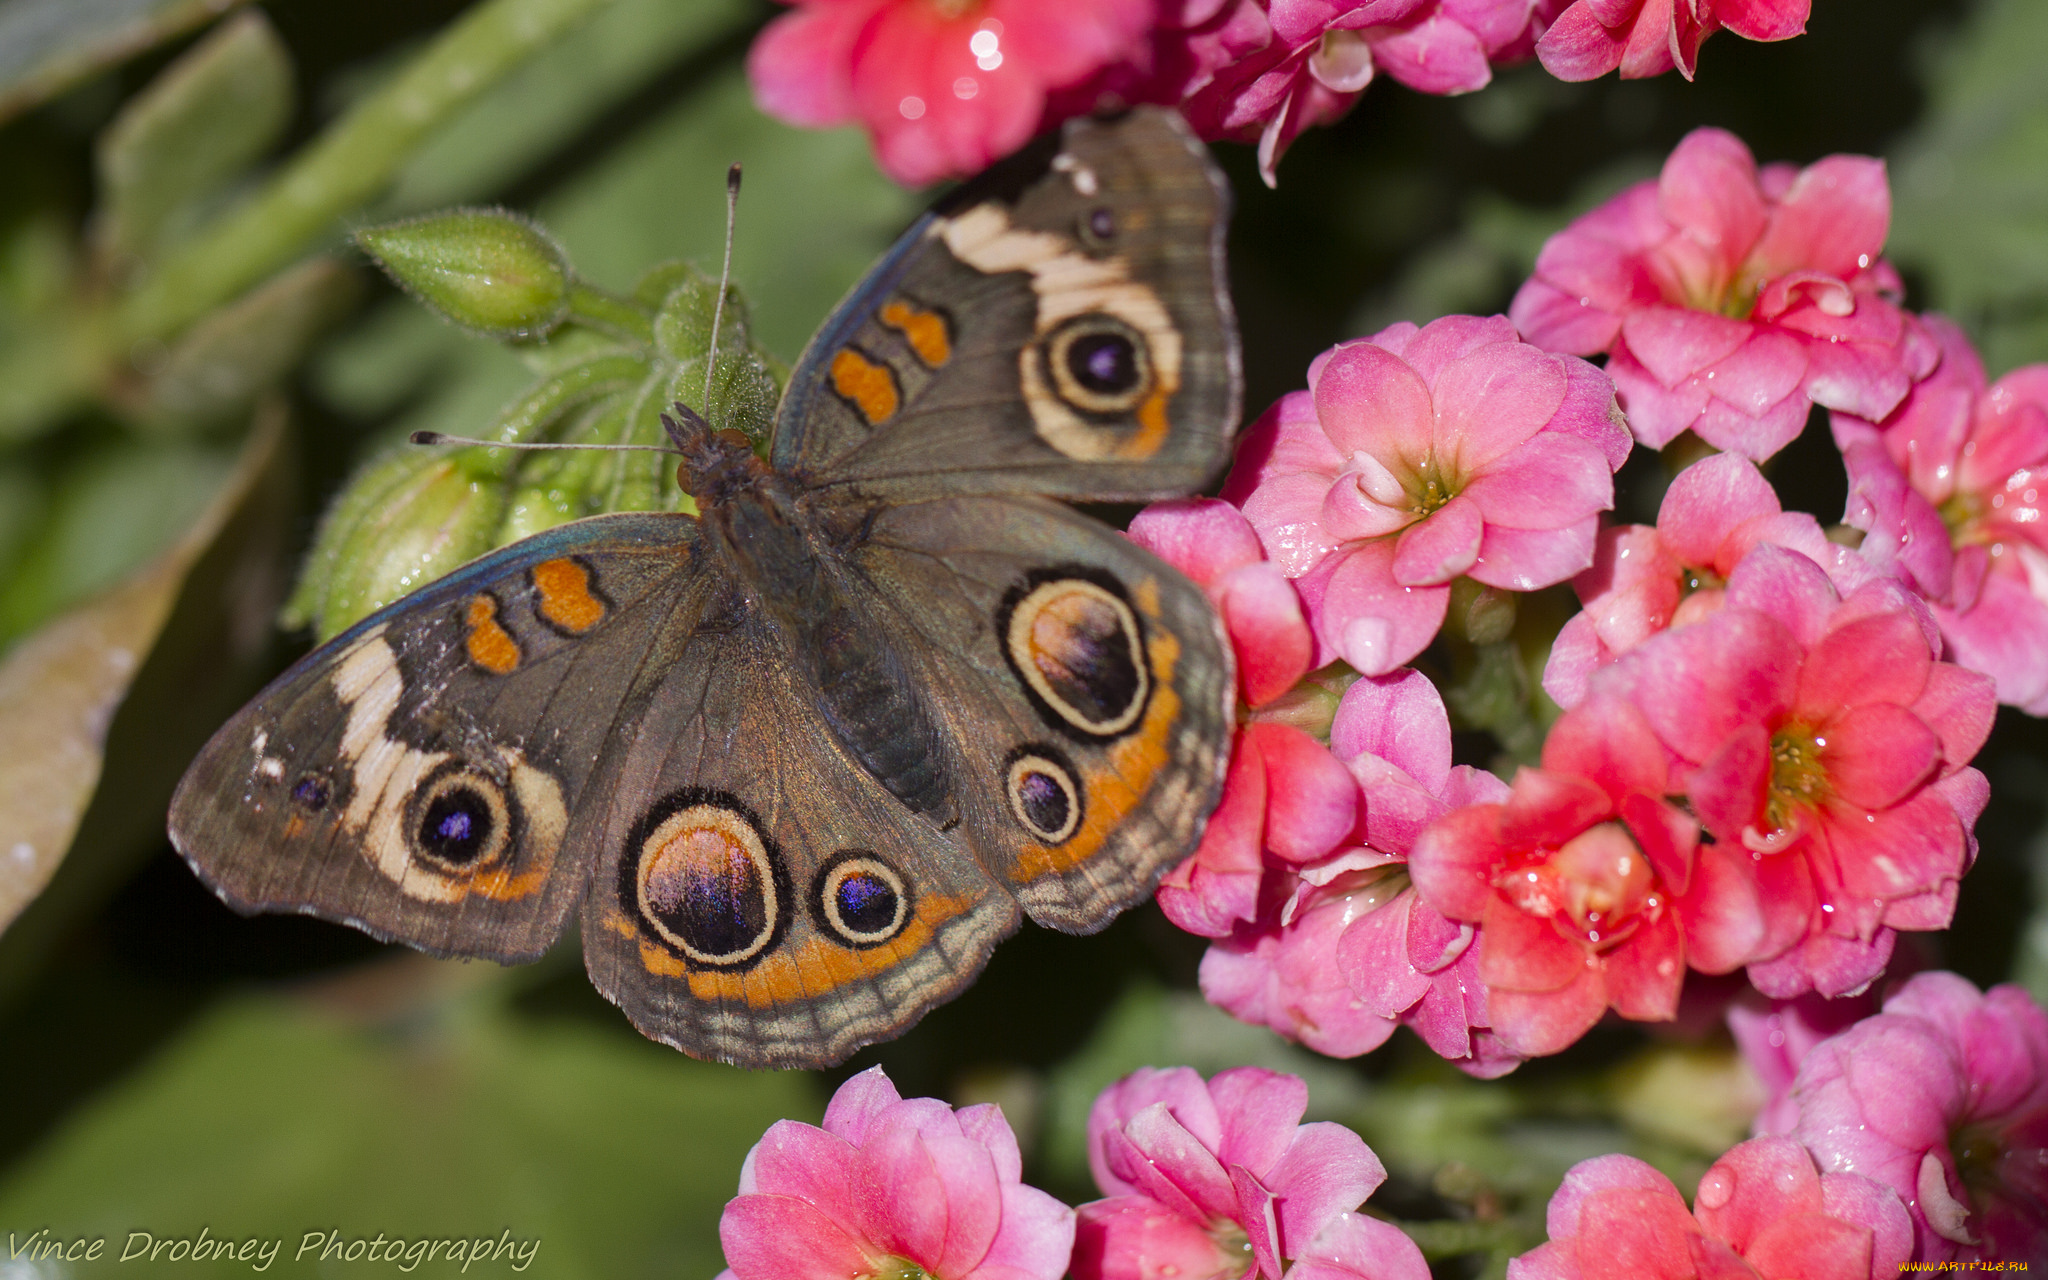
{"x":318,"y":1245}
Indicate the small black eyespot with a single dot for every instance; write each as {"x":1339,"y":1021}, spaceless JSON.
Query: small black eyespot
{"x":1102,"y":224}
{"x":1045,"y":793}
{"x":860,"y":899}
{"x":866,"y":902}
{"x":312,"y":792}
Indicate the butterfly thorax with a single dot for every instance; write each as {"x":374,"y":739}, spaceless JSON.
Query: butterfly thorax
{"x":791,"y":567}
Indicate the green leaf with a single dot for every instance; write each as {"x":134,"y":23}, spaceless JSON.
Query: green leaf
{"x":60,"y":687}
{"x":112,"y":510}
{"x":220,"y":365}
{"x":205,"y":118}
{"x":1970,"y":195}
{"x":48,"y":45}
{"x":566,"y":88}
{"x":272,"y":1120}
{"x":660,"y":195}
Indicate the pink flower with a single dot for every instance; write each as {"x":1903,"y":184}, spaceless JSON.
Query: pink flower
{"x":1763,"y":1211}
{"x":943,"y":88}
{"x":1943,"y":1098}
{"x":891,"y":1187}
{"x":1727,"y":299}
{"x":1776,"y":1035}
{"x":1421,"y":455}
{"x":1647,"y":578}
{"x":1822,"y":744}
{"x":1284,"y":795}
{"x":1950,"y":488}
{"x":1323,"y":53}
{"x":1649,"y":37}
{"x":1571,"y":881}
{"x":1215,"y":1181}
{"x":1396,"y":959}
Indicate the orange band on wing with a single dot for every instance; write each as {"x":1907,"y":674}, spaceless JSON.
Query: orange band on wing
{"x":925,"y":331}
{"x":795,"y":975}
{"x":1151,"y":433}
{"x":867,"y":386}
{"x":566,"y":599}
{"x":490,"y":645}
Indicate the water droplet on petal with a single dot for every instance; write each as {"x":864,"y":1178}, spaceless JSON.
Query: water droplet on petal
{"x":1717,"y":1188}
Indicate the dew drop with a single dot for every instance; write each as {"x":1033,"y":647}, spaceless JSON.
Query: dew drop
{"x":1717,"y":1188}
{"x":912,"y":107}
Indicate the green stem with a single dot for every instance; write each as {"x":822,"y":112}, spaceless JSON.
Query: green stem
{"x":342,"y":170}
{"x":1447,"y":1237}
{"x":607,"y":313}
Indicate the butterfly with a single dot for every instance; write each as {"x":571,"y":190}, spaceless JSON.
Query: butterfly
{"x":801,"y":760}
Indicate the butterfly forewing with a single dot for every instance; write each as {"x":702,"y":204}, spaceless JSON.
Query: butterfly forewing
{"x":415,"y":776}
{"x":1062,"y":327}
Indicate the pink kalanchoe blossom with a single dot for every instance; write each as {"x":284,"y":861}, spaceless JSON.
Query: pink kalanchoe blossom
{"x":1649,"y":37}
{"x":1943,"y":1097}
{"x":1826,"y":750}
{"x":1951,"y":489}
{"x":1727,"y":299}
{"x":1220,"y":1180}
{"x":1285,"y":796}
{"x":1397,"y":960}
{"x":1763,"y":1212}
{"x":892,"y":1187}
{"x":1420,"y":455}
{"x":1321,"y":55}
{"x":1572,"y":881}
{"x":1774,"y":1037}
{"x":943,"y":87}
{"x":1646,"y":578}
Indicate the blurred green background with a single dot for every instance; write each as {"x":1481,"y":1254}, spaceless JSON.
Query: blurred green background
{"x":192,"y":361}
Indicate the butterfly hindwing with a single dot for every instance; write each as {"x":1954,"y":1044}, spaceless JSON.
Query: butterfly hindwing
{"x":1062,"y":326}
{"x":1086,"y":686}
{"x":415,"y":776}
{"x":761,"y":897}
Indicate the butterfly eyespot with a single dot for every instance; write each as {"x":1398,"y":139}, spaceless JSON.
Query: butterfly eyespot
{"x":312,"y":793}
{"x":461,"y":821}
{"x":1044,"y":794}
{"x":1100,"y":364}
{"x":1098,"y":227}
{"x":706,"y":882}
{"x":861,"y":900}
{"x":1077,"y":647}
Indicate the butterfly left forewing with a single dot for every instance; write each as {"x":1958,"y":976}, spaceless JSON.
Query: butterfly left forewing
{"x":416,"y":776}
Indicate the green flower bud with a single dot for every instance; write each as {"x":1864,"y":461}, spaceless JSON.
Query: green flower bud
{"x":486,"y":269}
{"x":406,"y":520}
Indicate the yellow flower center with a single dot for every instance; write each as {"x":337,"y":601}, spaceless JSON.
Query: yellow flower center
{"x":1799,"y":777}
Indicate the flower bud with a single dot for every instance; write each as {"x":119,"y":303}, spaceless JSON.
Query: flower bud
{"x":486,"y":269}
{"x":403,"y":522}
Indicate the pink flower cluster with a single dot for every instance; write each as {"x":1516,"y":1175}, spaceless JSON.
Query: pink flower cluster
{"x":1916,"y":1134}
{"x":1203,"y":1180}
{"x":944,"y":87}
{"x":1304,"y":860}
{"x":1764,"y":763}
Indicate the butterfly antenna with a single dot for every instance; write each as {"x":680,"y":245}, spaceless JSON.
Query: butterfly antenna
{"x":732,"y":210}
{"x":440,"y":437}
